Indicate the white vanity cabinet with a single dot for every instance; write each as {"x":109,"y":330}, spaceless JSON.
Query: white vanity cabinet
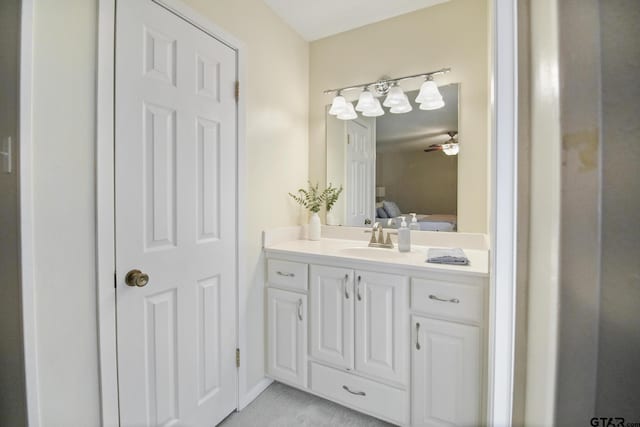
{"x":402,"y":344}
{"x":359,"y":321}
{"x":331,"y":337}
{"x":287,"y":323}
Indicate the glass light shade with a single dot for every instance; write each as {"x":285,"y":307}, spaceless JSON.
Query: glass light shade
{"x":432,"y":105}
{"x":451,"y":149}
{"x":428,"y":92}
{"x":395,"y":97}
{"x":376,"y":111}
{"x":349,"y":112}
{"x":404,"y":107}
{"x":366,"y":101}
{"x":338,"y":105}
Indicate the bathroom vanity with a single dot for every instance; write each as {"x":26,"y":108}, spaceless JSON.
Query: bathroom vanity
{"x":379,"y":331}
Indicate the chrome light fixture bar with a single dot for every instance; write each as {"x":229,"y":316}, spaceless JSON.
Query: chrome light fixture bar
{"x":396,"y":100}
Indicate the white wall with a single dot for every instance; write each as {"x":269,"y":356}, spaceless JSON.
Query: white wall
{"x":64,"y":184}
{"x":454,"y":34}
{"x":12,"y":387}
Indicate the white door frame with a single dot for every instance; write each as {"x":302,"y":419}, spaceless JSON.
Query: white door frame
{"x":105,"y":198}
{"x":504,"y":221}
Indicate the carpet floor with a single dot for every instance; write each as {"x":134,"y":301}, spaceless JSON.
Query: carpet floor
{"x":283,"y":406}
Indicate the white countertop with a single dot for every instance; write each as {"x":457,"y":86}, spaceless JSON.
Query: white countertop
{"x":416,"y":259}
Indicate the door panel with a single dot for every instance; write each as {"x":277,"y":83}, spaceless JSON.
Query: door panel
{"x":360,"y":173}
{"x":382,"y":325}
{"x":287,"y":336}
{"x":175,"y":154}
{"x":331,"y":312}
{"x":446,"y":370}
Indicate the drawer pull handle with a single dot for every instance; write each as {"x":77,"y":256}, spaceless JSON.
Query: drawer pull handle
{"x":357,"y":393}
{"x":417,"y":336}
{"x":300,"y":309}
{"x":346,"y":286}
{"x":358,"y":288}
{"x":280,"y":273}
{"x":452,"y":300}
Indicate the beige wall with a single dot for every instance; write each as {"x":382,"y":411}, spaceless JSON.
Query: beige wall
{"x":63,"y":177}
{"x":419,"y":182}
{"x":453,"y":34}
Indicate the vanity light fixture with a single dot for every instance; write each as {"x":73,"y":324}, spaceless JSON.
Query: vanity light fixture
{"x":349,"y":113}
{"x":396,"y":100}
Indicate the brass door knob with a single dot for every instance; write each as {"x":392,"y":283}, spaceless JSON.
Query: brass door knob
{"x":136,"y":278}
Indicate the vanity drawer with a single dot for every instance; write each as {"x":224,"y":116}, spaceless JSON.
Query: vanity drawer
{"x":366,"y":395}
{"x":447,"y":299}
{"x":287,"y":274}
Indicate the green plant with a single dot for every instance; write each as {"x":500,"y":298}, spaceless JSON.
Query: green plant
{"x":311,"y":199}
{"x":330,"y":195}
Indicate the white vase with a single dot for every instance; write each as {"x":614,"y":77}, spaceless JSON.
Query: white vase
{"x":331,"y":219}
{"x":314,"y":227}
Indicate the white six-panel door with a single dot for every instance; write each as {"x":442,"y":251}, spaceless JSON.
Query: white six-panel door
{"x":175,"y":174}
{"x":446,"y":377}
{"x":382,"y":325}
{"x":331,"y":312}
{"x":287,"y":336}
{"x":360,"y":172}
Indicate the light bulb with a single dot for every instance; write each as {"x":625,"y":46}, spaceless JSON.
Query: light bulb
{"x":395,"y":97}
{"x":374,"y":112}
{"x":366,"y":101}
{"x":338,"y":105}
{"x":451,"y":149}
{"x":349,"y":113}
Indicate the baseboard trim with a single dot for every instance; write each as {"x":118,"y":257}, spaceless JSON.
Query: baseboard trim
{"x":254,"y":392}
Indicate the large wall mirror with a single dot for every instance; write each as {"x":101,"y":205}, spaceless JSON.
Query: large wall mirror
{"x":397,"y":164}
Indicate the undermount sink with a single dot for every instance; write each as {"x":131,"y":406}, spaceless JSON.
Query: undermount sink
{"x":373,"y":253}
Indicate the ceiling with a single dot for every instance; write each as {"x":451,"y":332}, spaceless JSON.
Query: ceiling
{"x":316,"y":19}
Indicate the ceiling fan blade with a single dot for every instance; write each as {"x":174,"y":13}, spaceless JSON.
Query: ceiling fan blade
{"x":430,"y":149}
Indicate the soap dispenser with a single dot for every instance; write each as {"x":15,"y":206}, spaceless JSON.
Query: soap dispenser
{"x":414,"y":223}
{"x":404,"y":237}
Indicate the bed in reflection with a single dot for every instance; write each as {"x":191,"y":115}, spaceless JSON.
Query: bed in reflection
{"x":388,"y":213}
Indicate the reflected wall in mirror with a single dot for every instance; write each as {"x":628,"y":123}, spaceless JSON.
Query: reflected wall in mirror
{"x":382,"y":164}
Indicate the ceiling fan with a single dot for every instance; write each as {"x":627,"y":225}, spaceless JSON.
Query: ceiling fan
{"x":449,"y":147}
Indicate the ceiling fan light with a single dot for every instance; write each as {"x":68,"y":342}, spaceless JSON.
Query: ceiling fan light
{"x":376,"y":111}
{"x":432,"y":105}
{"x":451,"y":149}
{"x":349,"y":113}
{"x":395,"y":97}
{"x":428,"y":92}
{"x":338,"y":105}
{"x":366,"y":101}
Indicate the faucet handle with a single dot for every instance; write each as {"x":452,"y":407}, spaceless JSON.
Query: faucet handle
{"x":373,"y":240}
{"x":389,"y":242}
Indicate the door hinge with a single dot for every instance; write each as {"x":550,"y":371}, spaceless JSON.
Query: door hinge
{"x":237,"y":357}
{"x":237,"y":90}
{"x":115,"y":280}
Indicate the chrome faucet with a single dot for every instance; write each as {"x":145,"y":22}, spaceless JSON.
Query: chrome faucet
{"x":380,"y":241}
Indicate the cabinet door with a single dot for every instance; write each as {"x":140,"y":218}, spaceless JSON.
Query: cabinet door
{"x":287,"y":336}
{"x":331,"y":311}
{"x":446,"y":373}
{"x":382,"y":325}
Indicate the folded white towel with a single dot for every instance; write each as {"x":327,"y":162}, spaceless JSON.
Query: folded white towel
{"x":454,"y":256}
